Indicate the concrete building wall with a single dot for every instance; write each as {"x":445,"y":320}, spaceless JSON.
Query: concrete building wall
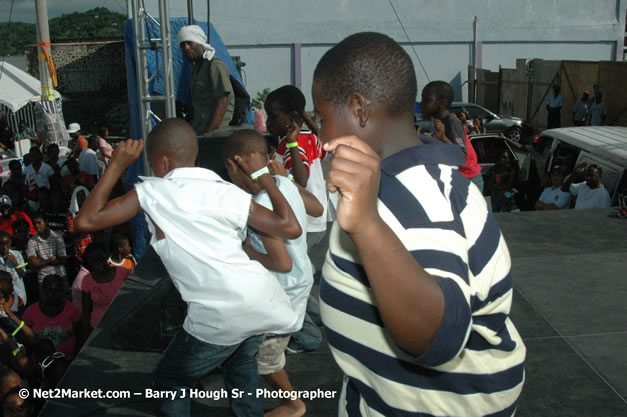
{"x":440,"y":32}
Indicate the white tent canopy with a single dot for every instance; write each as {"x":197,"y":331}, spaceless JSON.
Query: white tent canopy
{"x":18,"y":88}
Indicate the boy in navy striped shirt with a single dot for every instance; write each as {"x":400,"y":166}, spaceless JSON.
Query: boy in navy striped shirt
{"x":416,"y":290}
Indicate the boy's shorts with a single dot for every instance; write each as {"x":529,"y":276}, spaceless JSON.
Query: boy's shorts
{"x":271,"y":356}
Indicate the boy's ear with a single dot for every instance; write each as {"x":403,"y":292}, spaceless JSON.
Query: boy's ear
{"x":294,"y":115}
{"x":360,"y":107}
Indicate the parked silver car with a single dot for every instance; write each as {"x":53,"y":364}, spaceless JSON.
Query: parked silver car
{"x":513,"y":127}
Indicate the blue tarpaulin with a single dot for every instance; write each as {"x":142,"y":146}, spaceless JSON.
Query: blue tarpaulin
{"x":182,"y":68}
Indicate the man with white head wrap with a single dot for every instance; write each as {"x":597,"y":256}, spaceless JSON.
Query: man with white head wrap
{"x":212,"y":94}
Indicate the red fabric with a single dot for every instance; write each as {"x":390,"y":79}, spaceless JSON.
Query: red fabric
{"x":81,"y":240}
{"x":58,"y":329}
{"x":471,"y":169}
{"x":309,"y":148}
{"x":7,"y":224}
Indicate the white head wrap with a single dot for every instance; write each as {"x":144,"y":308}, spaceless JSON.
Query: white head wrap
{"x":74,"y":208}
{"x":194,"y":33}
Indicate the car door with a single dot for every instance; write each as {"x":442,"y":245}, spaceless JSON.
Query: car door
{"x":488,"y":149}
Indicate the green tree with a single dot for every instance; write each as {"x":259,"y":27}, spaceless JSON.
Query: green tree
{"x":93,"y":24}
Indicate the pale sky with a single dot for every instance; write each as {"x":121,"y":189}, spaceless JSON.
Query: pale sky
{"x":24,"y":10}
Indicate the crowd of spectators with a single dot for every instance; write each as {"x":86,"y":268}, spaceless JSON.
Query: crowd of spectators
{"x":55,"y":282}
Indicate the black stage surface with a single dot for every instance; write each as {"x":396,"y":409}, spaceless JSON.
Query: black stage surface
{"x":570,"y":306}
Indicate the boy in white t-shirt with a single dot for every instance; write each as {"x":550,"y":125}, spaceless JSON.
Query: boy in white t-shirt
{"x":198,"y":223}
{"x":288,"y":260}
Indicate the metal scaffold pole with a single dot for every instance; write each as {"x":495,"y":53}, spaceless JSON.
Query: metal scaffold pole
{"x":144,"y":43}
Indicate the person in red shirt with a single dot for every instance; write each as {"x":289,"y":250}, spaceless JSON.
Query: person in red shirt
{"x":9,"y":216}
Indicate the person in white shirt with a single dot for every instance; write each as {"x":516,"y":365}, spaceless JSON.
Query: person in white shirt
{"x":198,"y":223}
{"x":88,"y":159}
{"x":38,"y":172}
{"x":554,"y":106}
{"x":287,"y":259}
{"x":598,"y":110}
{"x":553,"y":198}
{"x":591,"y":193}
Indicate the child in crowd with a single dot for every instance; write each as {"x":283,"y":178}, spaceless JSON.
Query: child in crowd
{"x":10,"y":216}
{"x":88,"y":159}
{"x":286,"y":258}
{"x":22,"y":233}
{"x":120,"y":249}
{"x":416,"y":288}
{"x":81,"y":240}
{"x":16,"y":176}
{"x":301,"y":153}
{"x":8,"y":295}
{"x":99,"y":287}
{"x":12,"y":261}
{"x":54,"y":217}
{"x":46,"y":252}
{"x":198,"y":223}
{"x":501,"y":178}
{"x":55,"y":318}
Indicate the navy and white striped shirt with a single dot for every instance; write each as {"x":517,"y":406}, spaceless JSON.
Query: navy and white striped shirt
{"x":474,"y":367}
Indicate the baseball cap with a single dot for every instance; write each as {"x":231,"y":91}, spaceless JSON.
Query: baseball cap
{"x":73,"y":128}
{"x":5,"y":201}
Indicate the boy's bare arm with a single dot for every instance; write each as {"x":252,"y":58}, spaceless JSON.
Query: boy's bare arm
{"x":410,"y":301}
{"x":218,"y":114}
{"x":97,"y":212}
{"x":312,"y":205}
{"x":277,"y":259}
{"x":301,"y":176}
{"x":280,"y":221}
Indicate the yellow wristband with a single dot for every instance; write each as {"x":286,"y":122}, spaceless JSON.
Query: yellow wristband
{"x":292,"y":144}
{"x":16,"y":331}
{"x":259,"y":173}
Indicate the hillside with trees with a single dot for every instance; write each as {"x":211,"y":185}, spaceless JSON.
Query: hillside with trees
{"x":93,"y":24}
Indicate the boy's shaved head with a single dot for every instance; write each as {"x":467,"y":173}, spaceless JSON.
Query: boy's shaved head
{"x":244,"y":142}
{"x":372,"y":64}
{"x":443,"y":90}
{"x":174,"y":137}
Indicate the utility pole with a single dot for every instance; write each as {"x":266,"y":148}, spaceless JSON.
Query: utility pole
{"x":53,"y":129}
{"x":475,"y":60}
{"x":43,"y":50}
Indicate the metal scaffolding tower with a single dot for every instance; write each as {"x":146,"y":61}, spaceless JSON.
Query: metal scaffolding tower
{"x":144,"y":43}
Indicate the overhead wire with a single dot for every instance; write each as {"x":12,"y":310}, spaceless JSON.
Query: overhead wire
{"x":409,"y":40}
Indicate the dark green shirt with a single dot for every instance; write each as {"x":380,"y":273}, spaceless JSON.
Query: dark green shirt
{"x":209,"y":82}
